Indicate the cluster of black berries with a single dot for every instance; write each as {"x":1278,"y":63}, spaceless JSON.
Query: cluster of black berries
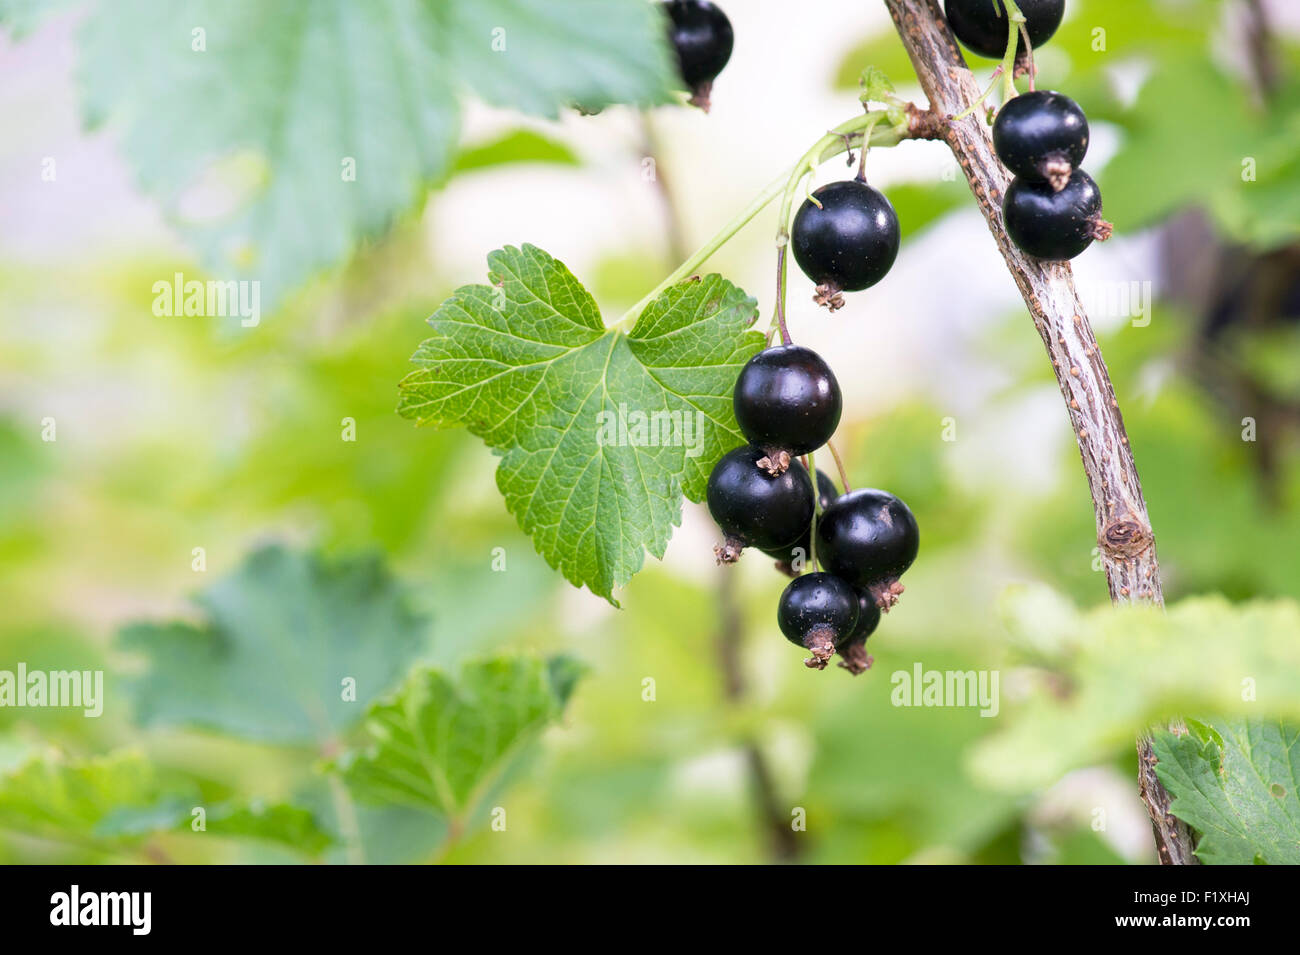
{"x":788,"y":403}
{"x":1052,"y":208}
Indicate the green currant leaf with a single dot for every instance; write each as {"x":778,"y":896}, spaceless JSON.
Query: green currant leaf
{"x":280,"y":636}
{"x":600,"y":432}
{"x":49,"y":794}
{"x":441,"y":745}
{"x":876,"y":86}
{"x":111,"y":802}
{"x":322,"y":121}
{"x":1106,"y":675}
{"x":1237,"y":783}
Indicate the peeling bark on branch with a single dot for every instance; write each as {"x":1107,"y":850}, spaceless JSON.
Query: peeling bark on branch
{"x":1124,"y":537}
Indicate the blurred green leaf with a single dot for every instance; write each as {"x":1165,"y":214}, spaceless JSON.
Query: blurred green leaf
{"x":305,"y":91}
{"x":528,"y":365}
{"x":1237,"y":782}
{"x":883,"y":52}
{"x":1117,"y":670}
{"x":50,"y":795}
{"x":1242,"y":172}
{"x":293,"y":826}
{"x":108,"y":803}
{"x":281,"y":635}
{"x":290,"y":826}
{"x":21,"y":17}
{"x":516,"y":146}
{"x":920,"y":205}
{"x":902,"y":765}
{"x":441,"y":744}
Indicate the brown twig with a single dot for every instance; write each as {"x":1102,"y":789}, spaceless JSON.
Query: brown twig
{"x":1124,"y":535}
{"x":782,"y":840}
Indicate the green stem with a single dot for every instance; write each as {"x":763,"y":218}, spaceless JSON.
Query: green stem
{"x":817,"y":513}
{"x":1014,"y":19}
{"x":1007,"y":68}
{"x":780,"y":296}
{"x":701,"y":255}
{"x":839,"y":140}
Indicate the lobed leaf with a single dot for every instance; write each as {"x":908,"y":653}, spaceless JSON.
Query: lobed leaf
{"x":281,"y":635}
{"x":527,"y":364}
{"x":1237,"y":783}
{"x":441,"y":744}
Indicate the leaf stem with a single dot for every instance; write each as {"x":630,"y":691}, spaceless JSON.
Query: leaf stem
{"x":701,"y":255}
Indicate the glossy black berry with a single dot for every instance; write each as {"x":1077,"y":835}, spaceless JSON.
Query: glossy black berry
{"x":847,"y":244}
{"x":868,"y":538}
{"x":1054,"y":225}
{"x":868,"y":616}
{"x":786,"y":398}
{"x":816,"y":612}
{"x":853,"y":649}
{"x":702,"y":38}
{"x":827,"y":492}
{"x":1041,"y":136}
{"x":982,"y":27}
{"x":755,"y":508}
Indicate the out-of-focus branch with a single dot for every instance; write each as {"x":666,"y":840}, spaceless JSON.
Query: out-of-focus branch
{"x":782,"y":840}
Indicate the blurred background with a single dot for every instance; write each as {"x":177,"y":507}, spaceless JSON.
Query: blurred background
{"x":175,"y":433}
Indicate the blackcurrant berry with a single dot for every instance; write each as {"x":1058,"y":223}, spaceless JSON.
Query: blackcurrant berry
{"x":847,"y":244}
{"x":816,"y":612}
{"x":702,"y":38}
{"x":1041,"y":136}
{"x":755,"y":508}
{"x":1054,"y":225}
{"x":853,"y":649}
{"x":787,"y":399}
{"x":981,"y":25}
{"x":868,"y":538}
{"x":787,"y":555}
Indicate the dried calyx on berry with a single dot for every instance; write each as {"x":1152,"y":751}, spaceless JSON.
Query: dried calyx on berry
{"x":755,"y":508}
{"x":1054,"y":224}
{"x":787,"y":402}
{"x":869,"y":538}
{"x":817,"y":612}
{"x":701,"y":36}
{"x":846,"y":240}
{"x":1041,"y":136}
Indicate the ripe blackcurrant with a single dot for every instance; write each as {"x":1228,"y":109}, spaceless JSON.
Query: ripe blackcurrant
{"x":853,"y":649}
{"x":847,"y":244}
{"x":868,"y":538}
{"x":702,"y":38}
{"x":816,"y":612}
{"x":755,"y":508}
{"x":1041,"y":136}
{"x":787,"y":555}
{"x":1048,"y":224}
{"x":981,"y":25}
{"x":787,"y":399}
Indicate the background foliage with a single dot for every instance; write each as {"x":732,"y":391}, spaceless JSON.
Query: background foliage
{"x":374,"y":559}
